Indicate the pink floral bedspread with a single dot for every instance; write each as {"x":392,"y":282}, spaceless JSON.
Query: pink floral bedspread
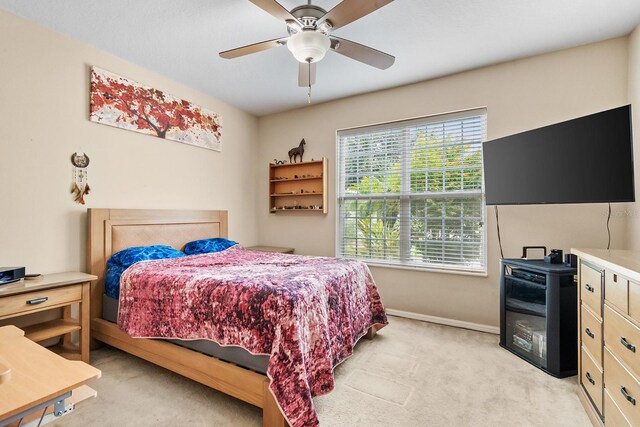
{"x":306,"y":313}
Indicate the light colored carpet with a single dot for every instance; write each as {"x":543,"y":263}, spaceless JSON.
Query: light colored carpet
{"x":412,"y":374}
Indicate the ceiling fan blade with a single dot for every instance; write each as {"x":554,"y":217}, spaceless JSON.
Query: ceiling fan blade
{"x":274,"y":9}
{"x":348,"y":11}
{"x":362,"y":53}
{"x":304,"y":72}
{"x":253,"y":48}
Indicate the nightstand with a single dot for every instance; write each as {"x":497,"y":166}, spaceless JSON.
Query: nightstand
{"x":48,"y":292}
{"x":271,"y":249}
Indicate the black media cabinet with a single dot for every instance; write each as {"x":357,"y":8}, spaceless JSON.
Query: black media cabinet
{"x":538,"y":314}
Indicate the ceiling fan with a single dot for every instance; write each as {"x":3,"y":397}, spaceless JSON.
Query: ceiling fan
{"x":309,"y":27}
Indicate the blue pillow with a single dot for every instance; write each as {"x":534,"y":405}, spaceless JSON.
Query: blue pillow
{"x":112,"y":280}
{"x":206,"y":246}
{"x":128,"y":257}
{"x":125,"y":258}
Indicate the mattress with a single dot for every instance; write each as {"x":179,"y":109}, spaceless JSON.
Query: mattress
{"x":237,"y":355}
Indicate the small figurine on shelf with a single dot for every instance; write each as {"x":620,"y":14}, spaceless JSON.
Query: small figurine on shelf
{"x":279,"y":162}
{"x":297,"y":151}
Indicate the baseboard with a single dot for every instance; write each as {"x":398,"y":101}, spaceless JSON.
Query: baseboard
{"x":445,"y":321}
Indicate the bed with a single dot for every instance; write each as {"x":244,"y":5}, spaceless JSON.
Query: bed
{"x":231,"y":370}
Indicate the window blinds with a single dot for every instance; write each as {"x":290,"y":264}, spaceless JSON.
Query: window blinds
{"x":411,"y":192}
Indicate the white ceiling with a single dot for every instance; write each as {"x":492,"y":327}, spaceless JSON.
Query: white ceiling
{"x":429,"y":38}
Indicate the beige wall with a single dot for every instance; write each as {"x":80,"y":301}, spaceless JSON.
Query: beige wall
{"x":44,"y":103}
{"x":44,"y":118}
{"x":519,"y":95}
{"x":632,"y":213}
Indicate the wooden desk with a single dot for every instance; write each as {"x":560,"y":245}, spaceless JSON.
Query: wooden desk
{"x":50,"y":292}
{"x":37,"y":375}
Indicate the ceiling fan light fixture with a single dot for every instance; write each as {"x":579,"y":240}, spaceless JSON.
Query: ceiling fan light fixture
{"x":309,"y":46}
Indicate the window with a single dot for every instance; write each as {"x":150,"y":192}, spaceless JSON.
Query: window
{"x":410,"y":193}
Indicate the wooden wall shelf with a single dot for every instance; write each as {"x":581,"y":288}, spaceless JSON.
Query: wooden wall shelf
{"x":298,"y":194}
{"x":296,"y":179}
{"x":307,"y":179}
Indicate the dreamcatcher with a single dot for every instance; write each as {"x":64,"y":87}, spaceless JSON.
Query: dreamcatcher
{"x":79,"y":185}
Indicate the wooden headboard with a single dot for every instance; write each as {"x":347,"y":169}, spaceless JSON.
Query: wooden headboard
{"x":111,"y":230}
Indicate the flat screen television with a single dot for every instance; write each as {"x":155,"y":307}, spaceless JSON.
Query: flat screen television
{"x":585,"y":160}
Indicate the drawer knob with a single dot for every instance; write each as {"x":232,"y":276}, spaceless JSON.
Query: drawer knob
{"x":589,"y":287}
{"x":627,"y":396}
{"x":591,"y":380}
{"x":588,"y":332}
{"x":36,"y":301}
{"x":625,"y":343}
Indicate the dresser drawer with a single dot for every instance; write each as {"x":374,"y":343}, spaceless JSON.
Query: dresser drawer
{"x":38,"y":300}
{"x":623,"y":388}
{"x":615,"y":418}
{"x":616,"y":291}
{"x":622,"y":338}
{"x":591,"y":288}
{"x":634,"y":300}
{"x":591,"y":333}
{"x":591,"y":379}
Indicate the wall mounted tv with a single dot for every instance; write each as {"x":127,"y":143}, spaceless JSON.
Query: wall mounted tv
{"x":585,"y":160}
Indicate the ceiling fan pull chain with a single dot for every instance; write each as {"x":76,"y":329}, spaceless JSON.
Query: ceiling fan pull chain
{"x":309,"y":92}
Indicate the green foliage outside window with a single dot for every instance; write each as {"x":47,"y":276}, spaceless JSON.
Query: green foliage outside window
{"x":443,"y":228}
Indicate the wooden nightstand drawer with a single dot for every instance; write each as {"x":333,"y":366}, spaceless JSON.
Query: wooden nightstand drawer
{"x":39,"y":300}
{"x":591,"y":288}
{"x":616,"y":291}
{"x":623,"y":388}
{"x":591,"y":334}
{"x":622,"y":338}
{"x":591,"y":379}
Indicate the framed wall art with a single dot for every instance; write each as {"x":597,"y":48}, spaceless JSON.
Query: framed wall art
{"x":120,"y":102}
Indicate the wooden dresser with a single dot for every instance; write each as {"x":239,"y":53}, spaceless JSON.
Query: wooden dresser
{"x":609,"y":335}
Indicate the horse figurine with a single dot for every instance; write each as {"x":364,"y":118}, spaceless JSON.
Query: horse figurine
{"x":297,"y":151}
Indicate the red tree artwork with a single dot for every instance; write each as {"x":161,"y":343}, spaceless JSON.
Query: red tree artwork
{"x":117,"y":101}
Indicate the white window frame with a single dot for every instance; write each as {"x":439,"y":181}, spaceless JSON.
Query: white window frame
{"x":405,"y":201}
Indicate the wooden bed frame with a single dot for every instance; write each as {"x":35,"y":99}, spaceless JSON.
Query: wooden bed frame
{"x":110,"y":230}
